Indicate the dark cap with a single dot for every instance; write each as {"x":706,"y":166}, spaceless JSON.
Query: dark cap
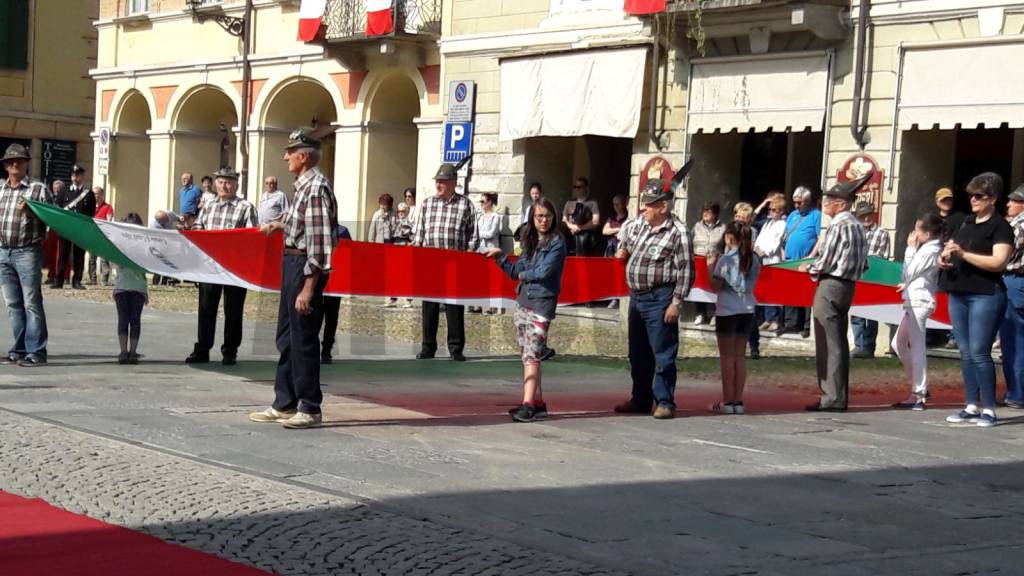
{"x":863,"y":209}
{"x":227,"y":173}
{"x":302,"y":139}
{"x":76,"y":169}
{"x":1017,"y":195}
{"x":848,"y":190}
{"x":654,"y":191}
{"x":16,"y":152}
{"x":447,"y":172}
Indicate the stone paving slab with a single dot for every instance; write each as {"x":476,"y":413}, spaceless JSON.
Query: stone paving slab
{"x":779,"y":491}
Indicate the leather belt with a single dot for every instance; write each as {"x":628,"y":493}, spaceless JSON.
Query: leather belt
{"x":294,"y":252}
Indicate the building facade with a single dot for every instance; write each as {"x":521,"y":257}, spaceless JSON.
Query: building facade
{"x":169,"y":90}
{"x":47,"y":98}
{"x":563,"y":90}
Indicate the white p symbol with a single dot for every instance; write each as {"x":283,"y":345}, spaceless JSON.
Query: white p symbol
{"x":458,"y":132}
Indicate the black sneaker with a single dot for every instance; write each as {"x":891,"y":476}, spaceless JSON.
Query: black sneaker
{"x":123,"y":358}
{"x":548,"y":354}
{"x":198,"y":358}
{"x":540,"y":412}
{"x":10,"y":359}
{"x":326,"y":358}
{"x":229,"y":360}
{"x":31,"y":361}
{"x":525,"y":413}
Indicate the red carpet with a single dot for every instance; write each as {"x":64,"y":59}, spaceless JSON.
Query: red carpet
{"x":38,"y":539}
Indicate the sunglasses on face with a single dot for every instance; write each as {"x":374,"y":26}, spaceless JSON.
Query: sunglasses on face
{"x":979,"y":197}
{"x":577,"y":187}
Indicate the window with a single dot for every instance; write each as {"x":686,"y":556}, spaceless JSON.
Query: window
{"x":138,"y":6}
{"x":14,"y":35}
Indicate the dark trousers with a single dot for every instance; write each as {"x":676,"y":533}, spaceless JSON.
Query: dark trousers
{"x":797,"y":318}
{"x":129,"y":313}
{"x":754,"y":338}
{"x":653,"y":347}
{"x":234,"y":307}
{"x":73,"y":255}
{"x":865,"y":332}
{"x":456,"y":316}
{"x":832,"y":300}
{"x":297,"y":382}
{"x":332,"y":308}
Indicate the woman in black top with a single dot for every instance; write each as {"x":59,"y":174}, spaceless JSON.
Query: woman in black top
{"x":972,"y":265}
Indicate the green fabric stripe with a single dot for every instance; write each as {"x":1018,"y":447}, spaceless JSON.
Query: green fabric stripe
{"x":82,"y":231}
{"x":880,"y":270}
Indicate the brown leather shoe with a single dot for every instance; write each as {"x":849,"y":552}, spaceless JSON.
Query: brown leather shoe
{"x":631,"y":407}
{"x":664,"y":413}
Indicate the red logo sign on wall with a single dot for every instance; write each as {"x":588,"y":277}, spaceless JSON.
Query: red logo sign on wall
{"x":857,"y":166}
{"x":656,"y":167}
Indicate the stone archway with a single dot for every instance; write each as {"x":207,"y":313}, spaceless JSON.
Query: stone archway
{"x":204,"y":135}
{"x":392,"y":142}
{"x":128,"y":182}
{"x":299,"y":103}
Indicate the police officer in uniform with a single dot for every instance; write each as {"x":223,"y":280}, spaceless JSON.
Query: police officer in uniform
{"x":77,"y":197}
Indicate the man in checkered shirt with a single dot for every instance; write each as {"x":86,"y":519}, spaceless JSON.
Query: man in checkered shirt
{"x":842,"y":261}
{"x":660,"y":273}
{"x":310,"y":232}
{"x":21,"y":258}
{"x":865,"y":332}
{"x":445,"y":220}
{"x":228,"y":212}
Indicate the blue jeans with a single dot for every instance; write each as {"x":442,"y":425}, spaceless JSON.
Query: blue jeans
{"x":1011,"y":338}
{"x":976,"y":320}
{"x":772,"y":314}
{"x":21,"y":276}
{"x":865,"y":333}
{"x":653,"y":347}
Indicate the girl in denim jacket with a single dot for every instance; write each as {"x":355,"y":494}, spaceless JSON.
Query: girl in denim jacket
{"x":539,"y":272}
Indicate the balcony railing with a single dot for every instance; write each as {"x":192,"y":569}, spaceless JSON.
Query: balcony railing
{"x":346,"y":20}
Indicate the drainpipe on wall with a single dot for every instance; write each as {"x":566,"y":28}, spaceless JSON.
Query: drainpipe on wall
{"x":856,"y":130}
{"x":243,"y":127}
{"x":652,"y":86}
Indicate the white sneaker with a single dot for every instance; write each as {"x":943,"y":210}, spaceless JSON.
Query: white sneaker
{"x":698,"y":320}
{"x":271,"y":415}
{"x":302,"y":420}
{"x":408,"y":304}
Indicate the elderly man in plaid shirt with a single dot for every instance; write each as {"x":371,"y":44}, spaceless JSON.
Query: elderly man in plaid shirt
{"x":228,"y":212}
{"x":842,"y":261}
{"x":445,"y":220}
{"x":310,"y":233}
{"x":865,"y":332}
{"x":660,"y":273}
{"x":21,"y":258}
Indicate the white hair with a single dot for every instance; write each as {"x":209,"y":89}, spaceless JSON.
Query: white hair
{"x":802,"y":193}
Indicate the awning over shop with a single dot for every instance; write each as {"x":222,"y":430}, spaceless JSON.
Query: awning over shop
{"x":966,"y":85}
{"x":759,"y":93}
{"x":594,"y":92}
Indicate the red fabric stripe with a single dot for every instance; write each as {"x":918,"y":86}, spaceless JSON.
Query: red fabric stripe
{"x":309,"y":28}
{"x":379,"y":23}
{"x":644,"y":6}
{"x":40,"y":539}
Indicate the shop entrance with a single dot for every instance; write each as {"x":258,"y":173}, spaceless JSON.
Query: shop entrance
{"x":744,"y":167}
{"x":556,"y":162}
{"x":932,"y":159}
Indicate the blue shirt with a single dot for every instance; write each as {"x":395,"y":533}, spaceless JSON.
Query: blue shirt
{"x":737,"y":293}
{"x":188,"y":199}
{"x":801,"y":238}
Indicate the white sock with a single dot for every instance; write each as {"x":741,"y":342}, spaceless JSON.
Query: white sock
{"x":989,"y":411}
{"x":971,"y":408}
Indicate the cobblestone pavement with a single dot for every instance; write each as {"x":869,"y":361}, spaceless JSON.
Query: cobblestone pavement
{"x":273,"y":526}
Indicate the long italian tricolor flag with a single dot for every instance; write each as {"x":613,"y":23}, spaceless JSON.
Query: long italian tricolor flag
{"x":252,"y":260}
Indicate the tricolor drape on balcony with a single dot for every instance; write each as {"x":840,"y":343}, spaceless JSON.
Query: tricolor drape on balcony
{"x":380,"y":16}
{"x":311,"y":14}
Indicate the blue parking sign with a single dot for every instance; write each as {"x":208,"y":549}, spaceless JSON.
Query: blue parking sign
{"x":458,"y":141}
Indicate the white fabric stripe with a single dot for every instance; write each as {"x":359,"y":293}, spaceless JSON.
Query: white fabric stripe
{"x":168,"y":253}
{"x":378,"y":5}
{"x":312,"y":9}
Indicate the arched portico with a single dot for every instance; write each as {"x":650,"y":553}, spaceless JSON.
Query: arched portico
{"x":203,"y":135}
{"x":128,"y":181}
